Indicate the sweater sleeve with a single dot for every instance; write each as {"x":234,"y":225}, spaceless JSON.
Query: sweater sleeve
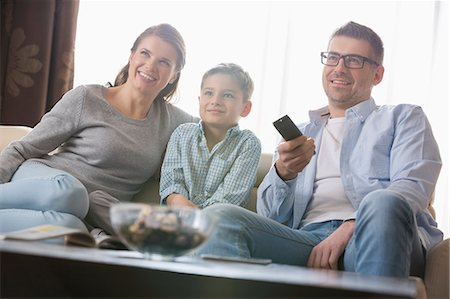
{"x":54,"y":129}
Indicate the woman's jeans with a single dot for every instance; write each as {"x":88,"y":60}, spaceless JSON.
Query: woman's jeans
{"x":385,"y":241}
{"x":38,"y":194}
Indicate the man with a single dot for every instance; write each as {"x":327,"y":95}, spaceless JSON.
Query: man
{"x":358,"y":204}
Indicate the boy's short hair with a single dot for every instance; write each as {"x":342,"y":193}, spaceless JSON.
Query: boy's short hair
{"x":235,"y":71}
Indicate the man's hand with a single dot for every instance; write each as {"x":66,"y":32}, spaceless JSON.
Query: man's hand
{"x":175,"y":199}
{"x":293,"y":156}
{"x":326,"y":254}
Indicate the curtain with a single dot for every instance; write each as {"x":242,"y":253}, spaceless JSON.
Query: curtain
{"x":37,"y":57}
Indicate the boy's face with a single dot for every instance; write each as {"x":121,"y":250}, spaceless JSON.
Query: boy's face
{"x":222,"y":102}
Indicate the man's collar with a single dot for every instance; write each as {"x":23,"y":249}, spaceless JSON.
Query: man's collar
{"x":360,"y":110}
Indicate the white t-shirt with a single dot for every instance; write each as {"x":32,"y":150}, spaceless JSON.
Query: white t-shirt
{"x":329,"y":201}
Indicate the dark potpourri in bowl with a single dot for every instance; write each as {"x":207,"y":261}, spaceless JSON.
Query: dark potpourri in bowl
{"x":161,"y":232}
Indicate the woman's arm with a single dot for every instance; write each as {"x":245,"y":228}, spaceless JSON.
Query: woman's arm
{"x":57,"y":126}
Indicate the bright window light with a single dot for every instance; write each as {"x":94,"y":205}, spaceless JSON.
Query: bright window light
{"x":278,"y":43}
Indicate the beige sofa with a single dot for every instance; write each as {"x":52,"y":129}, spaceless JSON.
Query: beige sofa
{"x":434,"y":285}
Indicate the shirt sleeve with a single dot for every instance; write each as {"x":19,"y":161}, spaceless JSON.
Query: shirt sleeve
{"x":415,"y":159}
{"x":238,"y":182}
{"x":54,"y":129}
{"x":275,"y":196}
{"x":172,"y":175}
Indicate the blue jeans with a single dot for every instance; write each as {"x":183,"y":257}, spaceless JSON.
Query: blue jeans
{"x":385,"y":241}
{"x":38,"y":194}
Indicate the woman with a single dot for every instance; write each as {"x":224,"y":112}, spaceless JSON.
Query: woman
{"x":105,"y":142}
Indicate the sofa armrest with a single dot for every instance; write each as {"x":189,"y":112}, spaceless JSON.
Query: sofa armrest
{"x":265,"y":162}
{"x":9,"y":133}
{"x":437,"y":271}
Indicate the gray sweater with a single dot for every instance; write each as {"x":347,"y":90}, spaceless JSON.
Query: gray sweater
{"x":97,"y":144}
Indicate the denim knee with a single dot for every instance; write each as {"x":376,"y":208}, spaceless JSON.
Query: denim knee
{"x":384,"y":233}
{"x":225,"y":211}
{"x":72,"y":196}
{"x":229,"y":237}
{"x":385,"y":206}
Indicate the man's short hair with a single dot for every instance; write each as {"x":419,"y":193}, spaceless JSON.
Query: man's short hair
{"x":358,"y":31}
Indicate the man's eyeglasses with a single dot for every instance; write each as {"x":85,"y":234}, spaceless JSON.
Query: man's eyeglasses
{"x":351,"y":61}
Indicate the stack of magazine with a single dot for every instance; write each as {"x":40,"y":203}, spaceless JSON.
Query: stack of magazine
{"x":97,"y":238}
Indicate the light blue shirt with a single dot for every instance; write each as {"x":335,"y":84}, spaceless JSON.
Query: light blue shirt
{"x":226,"y":174}
{"x":384,"y":147}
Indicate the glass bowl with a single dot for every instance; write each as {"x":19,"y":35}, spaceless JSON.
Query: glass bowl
{"x":161,"y":232}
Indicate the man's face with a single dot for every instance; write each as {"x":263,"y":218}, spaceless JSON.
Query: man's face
{"x":347,"y":87}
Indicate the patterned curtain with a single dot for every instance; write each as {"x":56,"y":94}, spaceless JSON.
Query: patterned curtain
{"x":37,"y":57}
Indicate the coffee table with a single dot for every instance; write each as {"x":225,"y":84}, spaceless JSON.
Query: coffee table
{"x":37,"y":269}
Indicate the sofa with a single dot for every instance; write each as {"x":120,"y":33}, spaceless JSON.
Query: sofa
{"x":434,"y":285}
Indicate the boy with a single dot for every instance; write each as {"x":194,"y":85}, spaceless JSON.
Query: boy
{"x":213,"y":161}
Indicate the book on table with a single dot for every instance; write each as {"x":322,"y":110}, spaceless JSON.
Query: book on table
{"x":97,"y":238}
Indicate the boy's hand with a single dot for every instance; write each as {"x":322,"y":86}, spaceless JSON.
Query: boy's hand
{"x":179,"y":200}
{"x":293,"y":156}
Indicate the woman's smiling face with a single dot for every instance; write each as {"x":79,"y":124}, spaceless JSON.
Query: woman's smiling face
{"x":152,"y":65}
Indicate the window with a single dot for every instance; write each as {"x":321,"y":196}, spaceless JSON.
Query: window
{"x":279,"y":44}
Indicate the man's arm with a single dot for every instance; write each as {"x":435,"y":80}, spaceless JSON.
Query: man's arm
{"x":415,"y":159}
{"x":275,"y":194}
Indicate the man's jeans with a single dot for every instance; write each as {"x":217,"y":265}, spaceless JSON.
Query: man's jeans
{"x":385,"y":241}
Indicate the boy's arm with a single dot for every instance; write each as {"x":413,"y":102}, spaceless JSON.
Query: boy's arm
{"x":172,"y":176}
{"x":238,"y":182}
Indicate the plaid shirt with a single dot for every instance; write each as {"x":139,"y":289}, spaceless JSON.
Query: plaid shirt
{"x":226,"y":174}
